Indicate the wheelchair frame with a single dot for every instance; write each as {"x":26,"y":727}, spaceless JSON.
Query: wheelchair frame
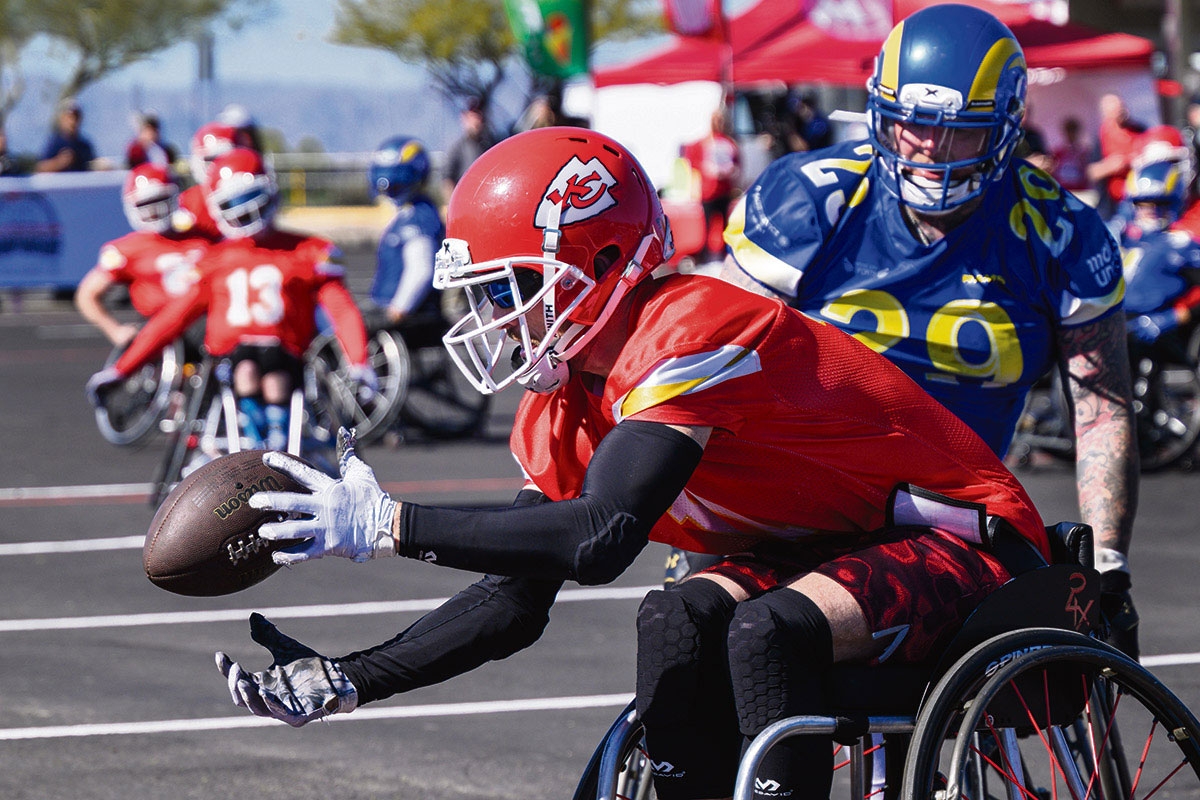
{"x":1166,"y":399}
{"x":207,"y":421}
{"x":966,"y":728}
{"x":419,"y":386}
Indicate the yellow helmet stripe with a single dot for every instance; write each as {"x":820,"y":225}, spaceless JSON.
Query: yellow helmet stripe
{"x":987,"y":77}
{"x":889,"y":72}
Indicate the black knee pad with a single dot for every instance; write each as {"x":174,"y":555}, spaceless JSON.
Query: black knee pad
{"x":681,"y":643}
{"x":780,"y":651}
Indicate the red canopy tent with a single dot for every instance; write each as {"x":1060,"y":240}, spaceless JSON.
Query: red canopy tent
{"x":689,"y":58}
{"x":775,"y":42}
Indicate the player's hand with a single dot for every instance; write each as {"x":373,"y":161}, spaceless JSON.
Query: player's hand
{"x":365,"y":380}
{"x":1146,"y":328}
{"x":350,"y":518}
{"x":123,"y":334}
{"x":101,"y":383}
{"x":300,"y":685}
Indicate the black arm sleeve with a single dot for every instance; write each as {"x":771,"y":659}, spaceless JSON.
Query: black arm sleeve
{"x":635,"y":474}
{"x":487,"y":621}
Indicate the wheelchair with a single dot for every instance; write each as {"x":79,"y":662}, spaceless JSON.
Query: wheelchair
{"x":1166,"y":402}
{"x":1024,"y":704}
{"x":133,"y":409}
{"x":205,"y":425}
{"x":420,"y":388}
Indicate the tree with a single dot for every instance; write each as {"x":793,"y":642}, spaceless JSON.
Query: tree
{"x":107,"y":35}
{"x":15,"y":33}
{"x":467,"y":46}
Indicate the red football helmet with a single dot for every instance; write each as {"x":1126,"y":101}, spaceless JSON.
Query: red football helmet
{"x":208,"y":142}
{"x":149,"y":198}
{"x":1161,"y":143}
{"x":551,"y":227}
{"x":241,"y":194}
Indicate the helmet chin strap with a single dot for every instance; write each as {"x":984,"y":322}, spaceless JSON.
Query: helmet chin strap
{"x":551,"y":370}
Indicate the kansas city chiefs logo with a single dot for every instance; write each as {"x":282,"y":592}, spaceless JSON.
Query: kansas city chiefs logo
{"x":581,"y":190}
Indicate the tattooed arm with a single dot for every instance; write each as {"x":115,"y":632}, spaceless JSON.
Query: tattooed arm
{"x":1106,"y":458}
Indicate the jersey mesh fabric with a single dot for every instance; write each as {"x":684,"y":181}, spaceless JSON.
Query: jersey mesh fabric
{"x":811,"y":429}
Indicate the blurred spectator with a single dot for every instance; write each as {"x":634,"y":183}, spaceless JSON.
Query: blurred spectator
{"x":810,"y":127}
{"x":540,"y":113}
{"x":1032,"y":146}
{"x":718,"y":162}
{"x":8,"y":164}
{"x":475,"y":139}
{"x":148,"y":147}
{"x":1071,"y":158}
{"x":1192,"y":131}
{"x":67,"y":149}
{"x":1118,"y":137}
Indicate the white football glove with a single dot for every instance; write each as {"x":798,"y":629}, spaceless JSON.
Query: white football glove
{"x":300,"y":685}
{"x":350,"y":518}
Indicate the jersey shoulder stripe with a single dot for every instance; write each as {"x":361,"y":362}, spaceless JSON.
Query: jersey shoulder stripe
{"x":684,"y":375}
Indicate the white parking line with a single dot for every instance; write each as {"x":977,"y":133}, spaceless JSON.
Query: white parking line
{"x":72,"y":546}
{"x":284,"y":612}
{"x":360,"y":715}
{"x":137,"y":492}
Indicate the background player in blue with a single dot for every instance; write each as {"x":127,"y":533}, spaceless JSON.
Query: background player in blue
{"x":403,"y":285}
{"x":973,"y":272}
{"x":1162,"y":265}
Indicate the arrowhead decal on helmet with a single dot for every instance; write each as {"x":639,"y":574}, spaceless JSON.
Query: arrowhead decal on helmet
{"x":581,"y":190}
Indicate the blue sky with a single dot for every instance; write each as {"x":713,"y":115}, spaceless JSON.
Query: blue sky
{"x":286,"y":43}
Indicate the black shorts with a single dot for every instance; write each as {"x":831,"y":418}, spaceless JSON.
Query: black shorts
{"x":269,"y":358}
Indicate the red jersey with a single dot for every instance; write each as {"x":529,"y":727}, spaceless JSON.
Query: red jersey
{"x":1189,"y":221}
{"x":156,"y":268}
{"x":1117,"y":138}
{"x":812,"y":430}
{"x":259,"y":290}
{"x":192,"y":216}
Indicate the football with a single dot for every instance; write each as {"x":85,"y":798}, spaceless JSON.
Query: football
{"x":204,"y":538}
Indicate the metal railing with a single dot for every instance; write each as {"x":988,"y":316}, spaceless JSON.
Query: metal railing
{"x":330,"y":179}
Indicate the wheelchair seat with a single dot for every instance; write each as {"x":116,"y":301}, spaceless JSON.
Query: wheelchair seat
{"x":1054,"y":596}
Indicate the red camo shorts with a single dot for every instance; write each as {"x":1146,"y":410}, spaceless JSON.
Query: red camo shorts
{"x":916,"y":586}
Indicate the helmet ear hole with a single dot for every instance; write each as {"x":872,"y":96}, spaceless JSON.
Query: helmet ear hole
{"x":604,"y":259}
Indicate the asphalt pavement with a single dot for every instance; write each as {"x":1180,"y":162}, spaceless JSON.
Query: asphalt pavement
{"x":109,"y":687}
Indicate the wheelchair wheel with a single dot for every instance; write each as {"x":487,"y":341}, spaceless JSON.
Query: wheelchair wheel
{"x":1045,"y":424}
{"x":388,"y":355}
{"x":619,"y":768}
{"x":1166,"y":400}
{"x":132,"y":410}
{"x":441,"y":402}
{"x":1039,"y":711}
{"x":183,"y":430}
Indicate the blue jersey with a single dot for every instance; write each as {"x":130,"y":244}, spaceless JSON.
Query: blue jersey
{"x":972,"y":317}
{"x":404,"y":270}
{"x":1159,"y":267}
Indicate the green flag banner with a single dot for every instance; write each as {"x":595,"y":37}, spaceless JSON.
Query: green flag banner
{"x":554,"y":34}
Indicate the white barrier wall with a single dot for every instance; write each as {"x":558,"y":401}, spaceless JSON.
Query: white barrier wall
{"x":52,"y":226}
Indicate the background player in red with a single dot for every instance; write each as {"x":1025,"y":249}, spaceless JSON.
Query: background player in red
{"x":208,"y":142}
{"x":155,"y":262}
{"x":679,"y":409}
{"x":259,"y":290}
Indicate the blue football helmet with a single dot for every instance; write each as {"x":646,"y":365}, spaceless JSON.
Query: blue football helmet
{"x":399,"y":167}
{"x":1163,"y":185}
{"x":948,"y":88}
